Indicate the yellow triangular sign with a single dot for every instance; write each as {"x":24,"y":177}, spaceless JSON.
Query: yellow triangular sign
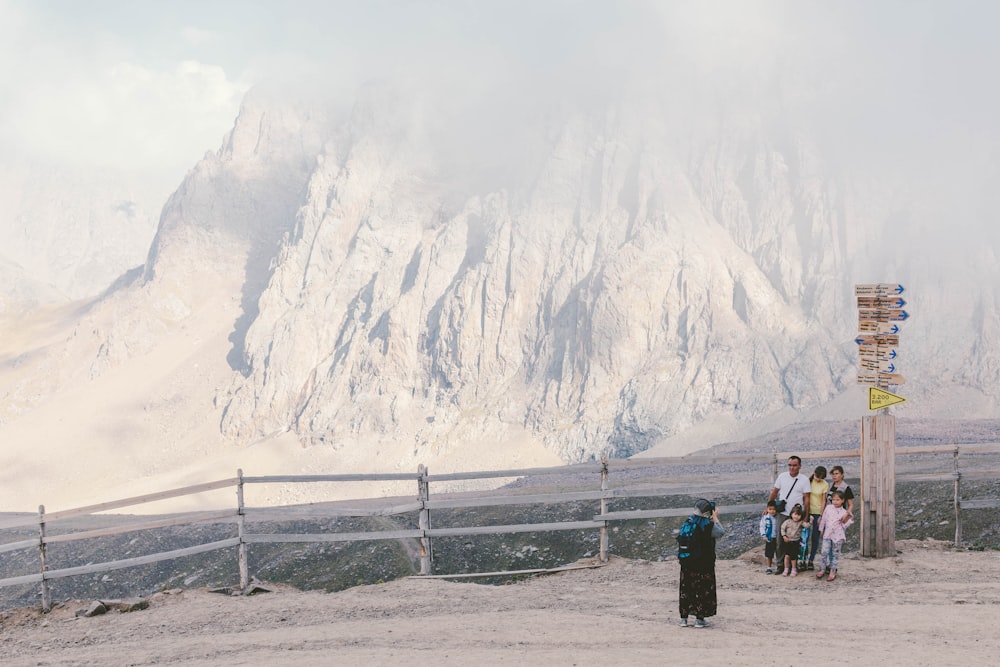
{"x":880,"y":398}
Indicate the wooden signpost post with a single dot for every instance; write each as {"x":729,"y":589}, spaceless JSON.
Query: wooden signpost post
{"x":880,"y":311}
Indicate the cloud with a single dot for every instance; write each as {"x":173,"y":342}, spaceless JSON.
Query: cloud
{"x":93,"y":96}
{"x":125,"y":115}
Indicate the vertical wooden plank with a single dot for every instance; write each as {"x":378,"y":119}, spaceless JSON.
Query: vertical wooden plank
{"x":864,"y":515}
{"x":424,"y":519}
{"x":878,"y":486}
{"x":958,"y":499}
{"x":241,"y":528}
{"x":886,"y":519}
{"x":603,"y":556}
{"x":46,"y":594}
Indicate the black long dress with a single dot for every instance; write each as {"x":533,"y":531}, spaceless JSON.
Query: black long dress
{"x":697,"y":581}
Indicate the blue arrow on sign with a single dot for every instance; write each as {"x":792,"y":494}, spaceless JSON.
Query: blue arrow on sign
{"x":894,"y":329}
{"x":891,"y":368}
{"x":897,"y":303}
{"x":892,"y":354}
{"x":898,"y":289}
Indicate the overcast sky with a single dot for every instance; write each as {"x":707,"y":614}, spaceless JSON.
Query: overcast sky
{"x":146,"y":84}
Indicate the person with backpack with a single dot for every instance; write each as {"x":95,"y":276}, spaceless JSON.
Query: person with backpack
{"x":696,"y":553}
{"x":791,"y":488}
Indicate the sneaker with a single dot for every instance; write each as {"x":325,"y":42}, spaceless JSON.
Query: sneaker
{"x":768,"y":571}
{"x":684,"y":623}
{"x":810,"y":566}
{"x":701,"y":623}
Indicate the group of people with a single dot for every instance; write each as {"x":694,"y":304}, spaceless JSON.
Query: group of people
{"x":806,"y":517}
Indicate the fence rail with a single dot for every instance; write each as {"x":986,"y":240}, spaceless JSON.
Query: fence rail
{"x":630,"y":488}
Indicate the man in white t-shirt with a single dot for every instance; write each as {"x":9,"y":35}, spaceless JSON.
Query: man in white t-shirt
{"x":793,"y":487}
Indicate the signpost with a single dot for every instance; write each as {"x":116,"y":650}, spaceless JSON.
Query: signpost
{"x":880,"y":309}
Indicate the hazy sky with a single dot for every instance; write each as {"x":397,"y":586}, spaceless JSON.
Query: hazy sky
{"x":145,"y":84}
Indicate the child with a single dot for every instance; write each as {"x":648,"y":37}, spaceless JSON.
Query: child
{"x":838,"y":484}
{"x":769,"y":531}
{"x":791,"y":535}
{"x":817,"y":503}
{"x":832,"y":524}
{"x":807,"y":530}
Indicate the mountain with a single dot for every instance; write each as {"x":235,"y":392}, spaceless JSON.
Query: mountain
{"x":75,"y":230}
{"x":471,"y":286}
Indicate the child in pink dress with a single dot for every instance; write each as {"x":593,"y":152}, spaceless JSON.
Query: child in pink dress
{"x":833,"y":526}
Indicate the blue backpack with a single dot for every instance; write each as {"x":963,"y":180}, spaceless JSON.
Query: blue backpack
{"x":691,"y":545}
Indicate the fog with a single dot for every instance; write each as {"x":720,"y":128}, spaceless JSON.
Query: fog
{"x":900,"y":95}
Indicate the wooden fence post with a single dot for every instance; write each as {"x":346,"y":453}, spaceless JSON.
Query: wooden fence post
{"x":604,"y":510}
{"x":241,"y":550}
{"x":424,"y":520}
{"x":46,"y":594}
{"x":958,"y":500}
{"x":878,"y":486}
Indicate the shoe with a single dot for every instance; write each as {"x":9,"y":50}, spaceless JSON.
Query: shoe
{"x":795,"y":572}
{"x":768,"y":571}
{"x":785,"y":573}
{"x":779,"y":571}
{"x":701,"y":623}
{"x":684,"y":623}
{"x":810,"y":566}
{"x":820,"y":574}
{"x":833,"y":575}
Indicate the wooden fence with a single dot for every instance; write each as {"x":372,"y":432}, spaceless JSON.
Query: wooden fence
{"x":927,"y":464}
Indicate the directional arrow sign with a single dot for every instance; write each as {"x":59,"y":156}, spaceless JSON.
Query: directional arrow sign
{"x":890,"y":340}
{"x":869,"y":327}
{"x":880,"y":302}
{"x":869,"y":365}
{"x":896,"y":315}
{"x":886,"y":367}
{"x":878,"y":289}
{"x":880,"y":398}
{"x":875,"y":314}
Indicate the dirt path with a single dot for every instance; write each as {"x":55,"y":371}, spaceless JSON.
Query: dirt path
{"x":928,"y":606}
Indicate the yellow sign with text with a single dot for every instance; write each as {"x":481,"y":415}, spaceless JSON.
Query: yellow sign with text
{"x":880,"y":398}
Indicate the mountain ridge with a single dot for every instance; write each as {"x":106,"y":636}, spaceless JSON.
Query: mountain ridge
{"x":328,"y":292}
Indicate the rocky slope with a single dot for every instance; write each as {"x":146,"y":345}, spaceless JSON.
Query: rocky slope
{"x":399,"y":287}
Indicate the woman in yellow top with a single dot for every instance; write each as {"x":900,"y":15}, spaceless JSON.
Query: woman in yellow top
{"x":817,"y":503}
